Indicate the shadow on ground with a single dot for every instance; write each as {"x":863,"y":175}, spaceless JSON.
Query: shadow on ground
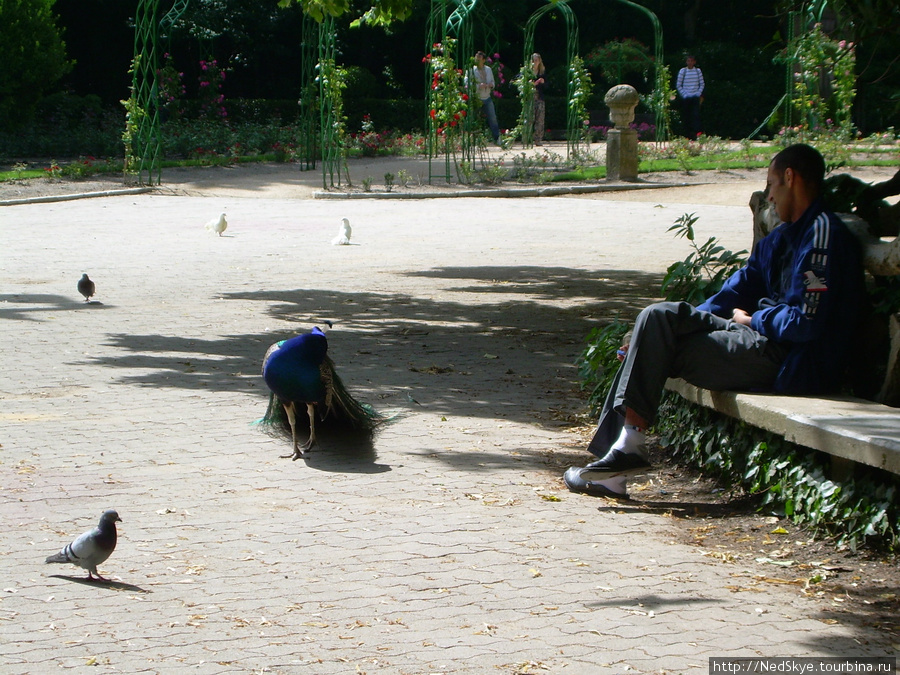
{"x":101,"y":583}
{"x":511,"y":355}
{"x":30,"y":306}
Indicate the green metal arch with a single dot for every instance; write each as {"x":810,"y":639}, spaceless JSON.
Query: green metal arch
{"x":460,"y":25}
{"x":469,"y":16}
{"x":144,"y":125}
{"x":527,"y":115}
{"x":437,"y":19}
{"x":309,"y":93}
{"x":334,"y":158}
{"x":660,"y":112}
{"x":143,"y":115}
{"x":142,"y":120}
{"x":171,"y":17}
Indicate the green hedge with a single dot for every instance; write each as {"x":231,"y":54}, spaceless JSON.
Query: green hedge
{"x":855,"y":511}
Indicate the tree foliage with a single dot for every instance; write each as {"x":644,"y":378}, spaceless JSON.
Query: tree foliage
{"x":874,"y":25}
{"x":33,"y":56}
{"x":862,"y":18}
{"x":380,"y":13}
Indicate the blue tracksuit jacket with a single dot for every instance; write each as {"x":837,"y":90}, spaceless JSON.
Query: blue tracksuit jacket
{"x":804,"y":285}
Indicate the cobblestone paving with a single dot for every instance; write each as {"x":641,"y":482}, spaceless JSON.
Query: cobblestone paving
{"x":447,"y":545}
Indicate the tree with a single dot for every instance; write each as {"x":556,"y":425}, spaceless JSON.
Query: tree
{"x":33,"y":56}
{"x":864,"y":19}
{"x":874,"y":26}
{"x":381,"y":12}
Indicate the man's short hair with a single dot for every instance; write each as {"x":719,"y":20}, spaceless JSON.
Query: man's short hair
{"x":805,"y":160}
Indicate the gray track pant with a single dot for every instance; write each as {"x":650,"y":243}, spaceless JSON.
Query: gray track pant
{"x":675,"y":339}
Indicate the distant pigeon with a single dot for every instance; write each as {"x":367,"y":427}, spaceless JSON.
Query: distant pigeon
{"x":86,"y":287}
{"x":343,"y":235}
{"x":217,"y":225}
{"x":92,"y":547}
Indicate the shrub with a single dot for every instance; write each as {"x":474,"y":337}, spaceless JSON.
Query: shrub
{"x":33,"y":56}
{"x":65,"y":125}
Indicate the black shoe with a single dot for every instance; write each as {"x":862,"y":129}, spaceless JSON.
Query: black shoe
{"x":616,"y":463}
{"x":575,"y":481}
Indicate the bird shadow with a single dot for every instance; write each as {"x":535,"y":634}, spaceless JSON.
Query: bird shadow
{"x":339,"y":451}
{"x":102,"y":583}
{"x":28,"y":306}
{"x":345,"y":455}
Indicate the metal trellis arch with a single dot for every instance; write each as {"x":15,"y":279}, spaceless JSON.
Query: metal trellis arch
{"x":455,"y":32}
{"x":661,"y":107}
{"x":437,"y":20}
{"x":142,"y":132}
{"x":527,"y":116}
{"x":331,"y":127}
{"x":309,"y":96}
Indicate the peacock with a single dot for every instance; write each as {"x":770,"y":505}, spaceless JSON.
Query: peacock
{"x":299,"y":372}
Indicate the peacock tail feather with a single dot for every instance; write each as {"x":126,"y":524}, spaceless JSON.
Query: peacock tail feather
{"x":340,"y":411}
{"x":358,"y":415}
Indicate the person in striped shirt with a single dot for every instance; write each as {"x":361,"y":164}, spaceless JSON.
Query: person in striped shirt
{"x":690,"y":87}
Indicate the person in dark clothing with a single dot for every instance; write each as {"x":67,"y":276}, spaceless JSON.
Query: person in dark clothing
{"x":785,"y":322}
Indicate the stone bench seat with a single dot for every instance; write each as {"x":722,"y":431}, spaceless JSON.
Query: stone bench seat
{"x":844,"y":427}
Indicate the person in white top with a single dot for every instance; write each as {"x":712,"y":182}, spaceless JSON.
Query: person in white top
{"x":690,"y":87}
{"x":483,"y":77}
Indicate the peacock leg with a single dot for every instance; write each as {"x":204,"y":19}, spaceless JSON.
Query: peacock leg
{"x":292,"y":420}
{"x":311,"y":411}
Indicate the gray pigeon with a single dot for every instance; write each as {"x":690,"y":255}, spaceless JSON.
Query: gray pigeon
{"x":92,"y":547}
{"x":86,"y":287}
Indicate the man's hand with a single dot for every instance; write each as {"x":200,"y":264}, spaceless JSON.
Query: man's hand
{"x":740,"y":316}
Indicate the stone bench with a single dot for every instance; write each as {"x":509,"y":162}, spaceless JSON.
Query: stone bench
{"x":848,"y":429}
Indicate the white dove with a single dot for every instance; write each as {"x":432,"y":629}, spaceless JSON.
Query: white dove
{"x":91,"y":548}
{"x":217,"y":225}
{"x":343,"y":236}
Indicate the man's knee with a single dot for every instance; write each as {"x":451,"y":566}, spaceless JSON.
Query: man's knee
{"x":667,"y":308}
{"x":676,"y":317}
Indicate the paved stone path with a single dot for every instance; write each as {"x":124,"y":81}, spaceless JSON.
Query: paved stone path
{"x":449,"y":545}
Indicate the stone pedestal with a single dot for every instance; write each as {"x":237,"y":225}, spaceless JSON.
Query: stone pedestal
{"x":622,"y":154}
{"x":621,"y":142}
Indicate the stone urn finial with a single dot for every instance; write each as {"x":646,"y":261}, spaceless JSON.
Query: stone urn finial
{"x":622,"y":100}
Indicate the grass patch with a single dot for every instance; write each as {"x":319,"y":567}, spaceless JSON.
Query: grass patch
{"x":81,"y":169}
{"x":676,"y":156}
{"x":21,"y":174}
{"x":758,"y":159}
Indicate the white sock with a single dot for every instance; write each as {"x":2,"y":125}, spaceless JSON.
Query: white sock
{"x":617,"y":484}
{"x":632,"y":440}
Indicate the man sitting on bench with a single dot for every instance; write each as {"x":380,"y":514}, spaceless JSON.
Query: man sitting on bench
{"x":785,"y":322}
